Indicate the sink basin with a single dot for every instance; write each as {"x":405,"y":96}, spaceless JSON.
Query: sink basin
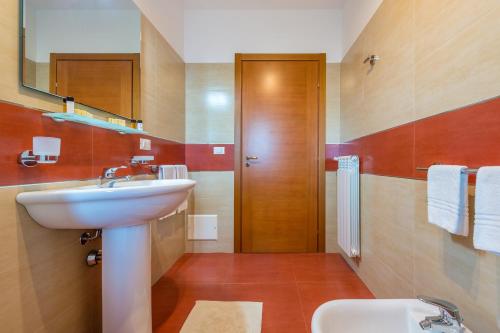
{"x":380,"y":315}
{"x":122,"y":212}
{"x":94,"y":207}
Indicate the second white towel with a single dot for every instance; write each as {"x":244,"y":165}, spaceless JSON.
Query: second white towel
{"x":182,"y":173}
{"x":174,"y":172}
{"x":447,"y":198}
{"x":487,"y":217}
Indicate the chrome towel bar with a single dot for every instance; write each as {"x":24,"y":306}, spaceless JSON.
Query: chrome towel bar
{"x":469,"y":171}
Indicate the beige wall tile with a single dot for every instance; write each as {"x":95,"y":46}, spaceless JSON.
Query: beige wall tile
{"x":389,"y":199}
{"x":332,"y":103}
{"x":379,"y":97}
{"x":381,"y":279}
{"x":388,"y":86}
{"x":463,"y":69}
{"x":331,"y":245}
{"x":42,"y":76}
{"x":29,"y":76}
{"x":167,"y":244}
{"x":436,"y":56}
{"x":210,"y":103}
{"x":352,"y":76}
{"x":44,"y":281}
{"x":162,"y":86}
{"x":437,"y":22}
{"x":214,"y":195}
{"x":387,"y":210}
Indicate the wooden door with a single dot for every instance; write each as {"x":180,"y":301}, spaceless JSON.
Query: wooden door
{"x":279,"y":154}
{"x":108,"y":82}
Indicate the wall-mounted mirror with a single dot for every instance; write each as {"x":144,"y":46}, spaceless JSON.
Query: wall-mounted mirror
{"x":87,"y":49}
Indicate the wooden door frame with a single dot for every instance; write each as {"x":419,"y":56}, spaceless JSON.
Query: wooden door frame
{"x":239,"y":58}
{"x":136,"y":73}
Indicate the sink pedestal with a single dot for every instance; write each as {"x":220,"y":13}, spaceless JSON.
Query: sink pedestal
{"x":126,"y":279}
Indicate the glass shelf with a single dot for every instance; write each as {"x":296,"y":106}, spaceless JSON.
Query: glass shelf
{"x":75,"y":118}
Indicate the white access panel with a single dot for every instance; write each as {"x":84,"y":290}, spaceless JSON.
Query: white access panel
{"x":202,"y":227}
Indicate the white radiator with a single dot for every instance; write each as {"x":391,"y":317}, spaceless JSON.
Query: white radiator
{"x":348,"y":233}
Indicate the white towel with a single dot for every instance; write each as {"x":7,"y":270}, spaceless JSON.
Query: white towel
{"x":487,"y":217}
{"x":182,"y":173}
{"x":167,"y":172}
{"x":447,"y":198}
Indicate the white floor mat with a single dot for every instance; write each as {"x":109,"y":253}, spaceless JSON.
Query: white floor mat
{"x":224,"y":317}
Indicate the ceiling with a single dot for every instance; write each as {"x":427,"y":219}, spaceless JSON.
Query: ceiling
{"x":80,"y":4}
{"x":191,"y":4}
{"x":264,"y":4}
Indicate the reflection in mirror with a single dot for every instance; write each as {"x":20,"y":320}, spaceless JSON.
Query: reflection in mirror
{"x":87,"y":49}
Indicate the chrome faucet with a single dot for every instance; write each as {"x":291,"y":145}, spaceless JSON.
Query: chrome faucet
{"x":449,"y":319}
{"x":110,"y":175}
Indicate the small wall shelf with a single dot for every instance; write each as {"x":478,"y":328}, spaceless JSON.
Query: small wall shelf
{"x":75,"y":118}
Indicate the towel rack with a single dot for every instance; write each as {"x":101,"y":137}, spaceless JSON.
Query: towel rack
{"x":468,"y":170}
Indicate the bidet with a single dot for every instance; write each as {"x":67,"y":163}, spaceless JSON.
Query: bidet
{"x":377,"y":315}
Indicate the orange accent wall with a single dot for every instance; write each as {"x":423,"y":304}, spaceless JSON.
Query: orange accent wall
{"x":468,"y":136}
{"x":85,"y":150}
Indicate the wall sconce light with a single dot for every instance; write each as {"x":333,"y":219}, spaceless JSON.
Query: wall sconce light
{"x":46,"y":150}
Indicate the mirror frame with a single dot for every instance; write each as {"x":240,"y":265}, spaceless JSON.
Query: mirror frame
{"x":48,"y":93}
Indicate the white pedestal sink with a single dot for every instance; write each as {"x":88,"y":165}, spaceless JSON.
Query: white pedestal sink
{"x":123,"y":212}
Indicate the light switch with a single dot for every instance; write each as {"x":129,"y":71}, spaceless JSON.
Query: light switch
{"x":219,"y":150}
{"x":145,"y":144}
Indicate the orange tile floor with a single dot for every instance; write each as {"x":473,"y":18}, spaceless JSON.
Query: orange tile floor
{"x":291,"y":286}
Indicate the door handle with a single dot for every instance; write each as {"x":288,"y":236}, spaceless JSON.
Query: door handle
{"x":250,"y":158}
